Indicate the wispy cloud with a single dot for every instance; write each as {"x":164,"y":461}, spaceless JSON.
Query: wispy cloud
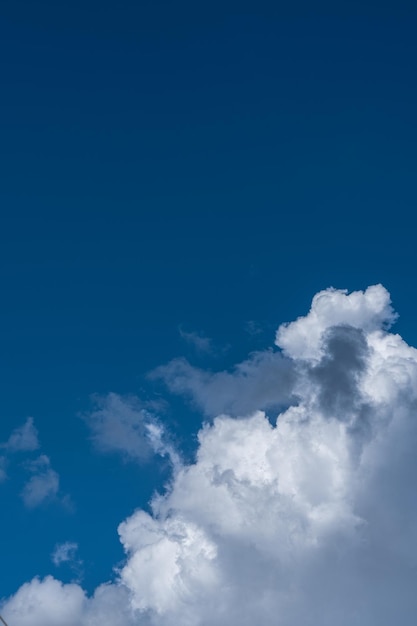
{"x":124,"y":426}
{"x":64,"y":553}
{"x":254,"y":328}
{"x":262,"y":381}
{"x":67,"y":554}
{"x":3,"y":474}
{"x":119,"y":424}
{"x":23,"y":439}
{"x":199,"y":341}
{"x":43,"y":485}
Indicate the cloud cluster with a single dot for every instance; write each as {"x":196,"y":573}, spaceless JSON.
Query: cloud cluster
{"x":43,"y":484}
{"x":307,"y":519}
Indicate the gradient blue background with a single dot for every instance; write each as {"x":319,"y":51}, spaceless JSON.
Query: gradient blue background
{"x":194,"y":165}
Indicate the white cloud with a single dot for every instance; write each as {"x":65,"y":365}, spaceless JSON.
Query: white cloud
{"x":49,"y":602}
{"x":64,"y":553}
{"x":67,"y":554}
{"x":309,"y":520}
{"x":42,"y":485}
{"x":369,"y":310}
{"x":46,"y":602}
{"x":162,"y":446}
{"x":23,"y":439}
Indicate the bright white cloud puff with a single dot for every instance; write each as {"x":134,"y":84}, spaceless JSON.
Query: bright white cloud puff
{"x":307,"y":519}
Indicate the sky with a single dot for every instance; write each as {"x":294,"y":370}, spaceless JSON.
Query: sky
{"x":207,"y":399}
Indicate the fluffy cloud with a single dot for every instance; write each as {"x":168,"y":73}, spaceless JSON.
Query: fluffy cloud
{"x":46,"y":602}
{"x":307,"y":519}
{"x":370,"y":311}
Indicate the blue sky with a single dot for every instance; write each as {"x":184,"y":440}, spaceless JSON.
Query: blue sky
{"x":179,"y":179}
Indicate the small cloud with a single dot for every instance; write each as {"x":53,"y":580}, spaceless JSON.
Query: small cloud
{"x":23,"y":439}
{"x":43,"y":484}
{"x":68,"y":503}
{"x":123,"y":425}
{"x":253,"y":328}
{"x":44,"y":481}
{"x":198,"y":341}
{"x":119,"y":425}
{"x":64,"y":553}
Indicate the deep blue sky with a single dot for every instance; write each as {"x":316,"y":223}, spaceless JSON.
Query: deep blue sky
{"x":193,"y":165}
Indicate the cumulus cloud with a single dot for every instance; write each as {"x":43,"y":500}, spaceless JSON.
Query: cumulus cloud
{"x":308,"y":520}
{"x":42,"y":485}
{"x":49,"y":602}
{"x":23,"y":439}
{"x":369,"y":311}
{"x":46,"y":602}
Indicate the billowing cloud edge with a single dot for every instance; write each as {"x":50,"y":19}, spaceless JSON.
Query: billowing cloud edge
{"x":308,"y":519}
